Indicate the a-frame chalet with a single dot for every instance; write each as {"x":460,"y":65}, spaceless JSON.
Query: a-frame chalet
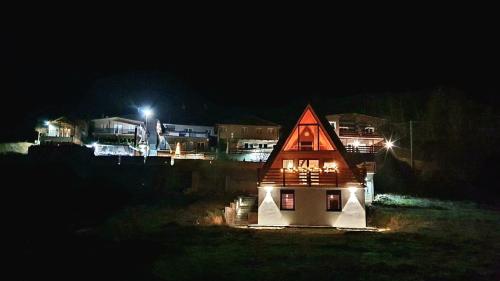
{"x":307,"y":180}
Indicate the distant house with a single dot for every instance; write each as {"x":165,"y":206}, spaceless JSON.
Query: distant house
{"x":118,"y":130}
{"x":62,"y":130}
{"x":251,"y":137}
{"x":191,"y":138}
{"x":359,"y":133}
{"x":308,"y":180}
{"x":362,"y":137}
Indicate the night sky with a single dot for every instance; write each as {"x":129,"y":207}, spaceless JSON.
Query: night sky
{"x":200,"y":72}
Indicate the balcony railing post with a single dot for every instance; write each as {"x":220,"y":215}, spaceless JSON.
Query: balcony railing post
{"x":283,"y":177}
{"x":309,"y":178}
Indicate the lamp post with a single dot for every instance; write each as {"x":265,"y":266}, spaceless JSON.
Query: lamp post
{"x":147,"y":112}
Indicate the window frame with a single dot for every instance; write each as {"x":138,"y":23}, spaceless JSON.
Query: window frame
{"x":287,"y":191}
{"x":334,"y":192}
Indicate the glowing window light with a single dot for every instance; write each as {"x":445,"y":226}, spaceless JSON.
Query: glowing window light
{"x":330,"y":166}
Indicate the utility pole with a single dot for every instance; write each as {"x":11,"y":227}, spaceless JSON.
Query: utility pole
{"x":411,"y":144}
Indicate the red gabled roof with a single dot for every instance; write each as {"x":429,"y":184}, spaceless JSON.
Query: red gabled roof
{"x":330,"y":137}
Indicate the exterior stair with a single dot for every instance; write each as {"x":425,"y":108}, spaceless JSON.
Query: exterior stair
{"x":242,"y":211}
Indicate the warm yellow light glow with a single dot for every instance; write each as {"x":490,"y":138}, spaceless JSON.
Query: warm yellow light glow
{"x":268,"y":189}
{"x":356,"y":143}
{"x":178,"y":149}
{"x":330,"y":166}
{"x":389,"y":144}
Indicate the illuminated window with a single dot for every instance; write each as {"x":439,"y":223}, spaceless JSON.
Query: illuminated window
{"x":259,"y":131}
{"x":244,"y":130}
{"x":330,"y":164}
{"x":333,"y":200}
{"x":287,"y":201}
{"x":288,"y":163}
{"x":309,"y":163}
{"x":270,"y":131}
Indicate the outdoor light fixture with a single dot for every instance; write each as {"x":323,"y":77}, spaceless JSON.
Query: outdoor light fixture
{"x":46,"y":123}
{"x":389,"y":144}
{"x":352,"y":189}
{"x":269,"y":189}
{"x":147,"y":112}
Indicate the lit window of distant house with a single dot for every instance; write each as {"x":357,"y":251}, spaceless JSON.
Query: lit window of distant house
{"x":333,"y":200}
{"x":244,"y":130}
{"x":287,"y":201}
{"x":270,"y":131}
{"x":259,"y":131}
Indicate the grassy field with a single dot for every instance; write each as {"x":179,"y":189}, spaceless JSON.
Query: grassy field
{"x":427,"y":240}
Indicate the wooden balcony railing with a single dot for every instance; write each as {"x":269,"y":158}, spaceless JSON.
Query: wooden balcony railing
{"x":363,"y":148}
{"x":116,"y":131}
{"x":356,"y":133}
{"x":313,"y":177}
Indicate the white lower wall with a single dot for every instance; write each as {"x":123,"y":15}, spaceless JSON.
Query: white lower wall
{"x":310,"y":208}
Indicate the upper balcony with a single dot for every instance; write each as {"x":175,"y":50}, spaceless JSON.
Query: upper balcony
{"x":186,"y":134}
{"x":116,"y":131}
{"x":343,"y":132}
{"x":307,"y":177}
{"x":370,"y":149}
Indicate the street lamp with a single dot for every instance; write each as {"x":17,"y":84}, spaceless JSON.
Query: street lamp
{"x":147,"y":112}
{"x":389,"y":144}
